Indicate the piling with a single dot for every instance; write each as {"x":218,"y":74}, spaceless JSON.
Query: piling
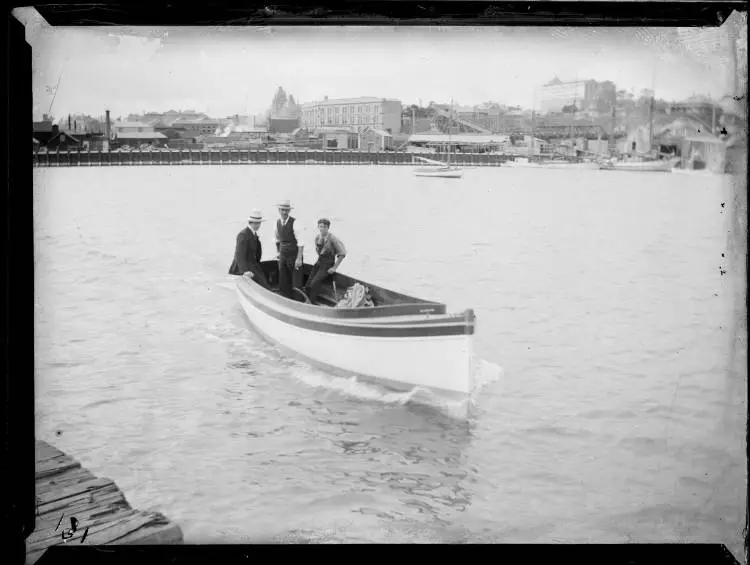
{"x":73,"y":506}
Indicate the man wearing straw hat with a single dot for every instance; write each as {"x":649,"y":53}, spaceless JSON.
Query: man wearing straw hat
{"x":289,"y":238}
{"x":248,"y":251}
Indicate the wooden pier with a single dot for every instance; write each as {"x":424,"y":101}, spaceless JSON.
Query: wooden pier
{"x":76,"y":507}
{"x":172,"y":157}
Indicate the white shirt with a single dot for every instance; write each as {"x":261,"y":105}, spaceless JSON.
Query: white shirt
{"x":255,"y":233}
{"x":299,"y":232}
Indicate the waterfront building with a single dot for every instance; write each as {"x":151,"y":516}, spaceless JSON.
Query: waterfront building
{"x":464,"y":142}
{"x":358,"y":113}
{"x":205,"y":126}
{"x":251,"y":132}
{"x":64,"y":141}
{"x":44,"y":131}
{"x":372,"y":139}
{"x":279,"y":124}
{"x":559,"y":96}
{"x":137,"y":133}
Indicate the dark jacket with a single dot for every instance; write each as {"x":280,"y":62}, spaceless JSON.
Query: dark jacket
{"x":247,"y":253}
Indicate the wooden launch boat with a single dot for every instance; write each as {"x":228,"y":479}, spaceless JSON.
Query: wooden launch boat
{"x":401,"y":341}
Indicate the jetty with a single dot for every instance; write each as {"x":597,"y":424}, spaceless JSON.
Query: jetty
{"x":73,"y":506}
{"x":95,"y":158}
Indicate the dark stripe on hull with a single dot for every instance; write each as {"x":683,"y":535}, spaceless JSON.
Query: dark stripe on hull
{"x":461,"y":328}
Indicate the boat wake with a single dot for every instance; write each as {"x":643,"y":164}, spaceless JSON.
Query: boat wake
{"x":485,"y":374}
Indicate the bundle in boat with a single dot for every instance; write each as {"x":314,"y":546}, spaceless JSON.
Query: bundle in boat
{"x":357,"y":296}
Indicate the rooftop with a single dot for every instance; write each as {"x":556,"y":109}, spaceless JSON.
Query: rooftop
{"x":361,"y":100}
{"x":118,"y":125}
{"x":461,"y":138}
{"x":141,"y":135}
{"x":249,"y":129}
{"x":43,"y":126}
{"x":380,"y":132}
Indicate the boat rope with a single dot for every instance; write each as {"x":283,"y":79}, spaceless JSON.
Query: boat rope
{"x":357,"y":296}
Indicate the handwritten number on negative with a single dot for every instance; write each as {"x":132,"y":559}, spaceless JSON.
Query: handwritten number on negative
{"x":67,"y":533}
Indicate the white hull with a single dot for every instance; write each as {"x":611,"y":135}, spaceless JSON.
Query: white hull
{"x":578,"y":166}
{"x":695,"y":172}
{"x":646,"y":166}
{"x":568,"y":166}
{"x":435,"y":362}
{"x":438,"y":172}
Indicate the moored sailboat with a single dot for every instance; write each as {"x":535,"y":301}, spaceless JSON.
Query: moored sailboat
{"x":438,"y":168}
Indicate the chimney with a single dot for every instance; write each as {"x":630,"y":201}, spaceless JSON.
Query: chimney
{"x":106,"y":125}
{"x":55,"y":129}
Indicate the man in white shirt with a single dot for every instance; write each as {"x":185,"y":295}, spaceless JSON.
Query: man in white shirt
{"x":289,"y":245}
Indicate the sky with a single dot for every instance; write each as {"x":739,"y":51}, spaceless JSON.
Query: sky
{"x":236,"y":70}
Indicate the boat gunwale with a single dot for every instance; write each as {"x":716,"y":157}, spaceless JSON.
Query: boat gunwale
{"x":446,"y":324}
{"x":407,"y":308}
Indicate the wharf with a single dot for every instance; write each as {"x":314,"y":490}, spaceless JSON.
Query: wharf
{"x":90,"y":158}
{"x":74,"y":504}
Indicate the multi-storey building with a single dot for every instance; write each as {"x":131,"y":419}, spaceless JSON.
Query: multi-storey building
{"x":556,"y":94}
{"x":354,"y":113}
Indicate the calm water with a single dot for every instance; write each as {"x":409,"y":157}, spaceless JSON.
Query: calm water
{"x":617,"y":418}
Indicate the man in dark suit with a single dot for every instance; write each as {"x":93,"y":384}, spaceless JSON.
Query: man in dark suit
{"x":248,"y":252}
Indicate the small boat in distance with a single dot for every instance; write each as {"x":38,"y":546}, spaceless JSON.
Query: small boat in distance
{"x":399,"y":341}
{"x":437,"y":169}
{"x":525,"y":163}
{"x":440,"y":169}
{"x":648,"y":165}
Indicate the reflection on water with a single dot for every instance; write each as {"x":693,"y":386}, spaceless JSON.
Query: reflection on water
{"x":618,"y":414}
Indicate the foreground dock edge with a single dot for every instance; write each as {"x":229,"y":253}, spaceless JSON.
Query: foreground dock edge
{"x":73,"y":506}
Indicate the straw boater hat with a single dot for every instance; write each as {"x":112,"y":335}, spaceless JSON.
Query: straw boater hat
{"x":256,"y":216}
{"x":285,"y":205}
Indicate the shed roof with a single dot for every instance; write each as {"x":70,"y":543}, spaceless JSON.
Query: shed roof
{"x":461,"y":138}
{"x":380,"y":132}
{"x":44,"y":126}
{"x":141,"y":135}
{"x":250,"y":129}
{"x":704,"y":139}
{"x":118,"y":125}
{"x":65,"y":133}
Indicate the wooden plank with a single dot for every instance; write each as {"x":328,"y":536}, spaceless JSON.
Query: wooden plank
{"x":55,"y":466}
{"x":50,"y":535}
{"x":152,"y":534}
{"x":66,"y":490}
{"x":101,"y":501}
{"x":56,"y":537}
{"x":43,"y":451}
{"x":106,"y":495}
{"x":84,"y":514}
{"x":74,"y":490}
{"x":65,"y":480}
{"x":121,"y":528}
